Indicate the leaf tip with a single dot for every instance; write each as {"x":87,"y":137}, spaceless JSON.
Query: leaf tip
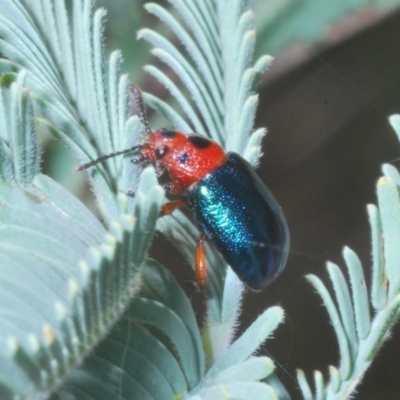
{"x":394,"y":120}
{"x":49,"y":334}
{"x":34,"y":343}
{"x":73,"y":287}
{"x":142,"y":33}
{"x":61,"y":310}
{"x":384,"y":181}
{"x":348,"y":252}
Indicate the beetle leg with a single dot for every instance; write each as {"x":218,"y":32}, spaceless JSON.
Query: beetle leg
{"x":171,"y":206}
{"x":201,"y":263}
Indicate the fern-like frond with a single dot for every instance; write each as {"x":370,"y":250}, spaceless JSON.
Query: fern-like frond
{"x":220,"y":75}
{"x":19,"y":161}
{"x":360,"y":334}
{"x":155,"y":352}
{"x":83,"y":104}
{"x":65,"y":280}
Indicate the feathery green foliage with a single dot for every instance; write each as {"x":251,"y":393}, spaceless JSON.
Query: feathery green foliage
{"x":65,"y":281}
{"x":361,"y":333}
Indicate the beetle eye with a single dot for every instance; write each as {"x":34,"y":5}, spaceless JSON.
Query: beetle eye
{"x":160,"y":151}
{"x":183,"y":157}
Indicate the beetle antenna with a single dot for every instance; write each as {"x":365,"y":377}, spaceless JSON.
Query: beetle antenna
{"x":106,"y":157}
{"x":137,"y":94}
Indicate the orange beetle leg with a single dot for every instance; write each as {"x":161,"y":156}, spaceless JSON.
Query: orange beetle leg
{"x":171,"y":206}
{"x":201,"y":263}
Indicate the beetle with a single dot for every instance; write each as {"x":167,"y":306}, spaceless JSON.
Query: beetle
{"x":231,"y":205}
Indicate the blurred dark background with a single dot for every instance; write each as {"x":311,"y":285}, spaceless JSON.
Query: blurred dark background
{"x":325,"y":103}
{"x":328,"y":136}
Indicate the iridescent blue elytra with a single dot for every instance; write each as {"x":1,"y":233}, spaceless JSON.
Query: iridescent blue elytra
{"x":239,"y":215}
